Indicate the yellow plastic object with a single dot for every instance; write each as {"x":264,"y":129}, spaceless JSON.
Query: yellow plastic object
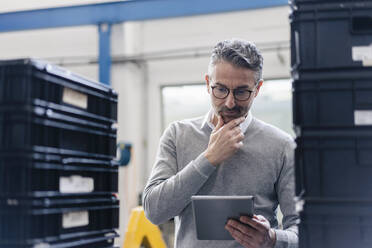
{"x":141,"y":232}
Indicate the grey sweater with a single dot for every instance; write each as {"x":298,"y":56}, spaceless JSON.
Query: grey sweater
{"x":263,"y":167}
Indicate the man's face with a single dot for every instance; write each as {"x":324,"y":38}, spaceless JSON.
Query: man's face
{"x":226,"y":75}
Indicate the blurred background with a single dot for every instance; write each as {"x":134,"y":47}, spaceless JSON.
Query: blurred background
{"x":157,"y":65}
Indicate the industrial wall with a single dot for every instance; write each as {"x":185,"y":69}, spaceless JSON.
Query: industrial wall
{"x":146,"y":56}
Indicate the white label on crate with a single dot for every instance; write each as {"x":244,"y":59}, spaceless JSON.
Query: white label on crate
{"x":41,"y":245}
{"x":76,"y":184}
{"x":363,"y":117}
{"x":75,"y":98}
{"x":362,"y":53}
{"x":367,"y":62}
{"x":75,"y":219}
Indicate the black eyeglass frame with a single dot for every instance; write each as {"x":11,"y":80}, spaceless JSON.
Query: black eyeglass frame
{"x":228,"y":93}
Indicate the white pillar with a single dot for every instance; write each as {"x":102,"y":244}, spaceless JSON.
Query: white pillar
{"x":129,"y":80}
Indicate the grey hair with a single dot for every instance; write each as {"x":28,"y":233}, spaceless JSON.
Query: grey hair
{"x":240,"y":53}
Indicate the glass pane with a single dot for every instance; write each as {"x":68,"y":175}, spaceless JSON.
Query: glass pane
{"x":182,"y":102}
{"x":273,"y":104}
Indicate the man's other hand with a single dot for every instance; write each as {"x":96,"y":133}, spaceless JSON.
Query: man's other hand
{"x":252,"y":232}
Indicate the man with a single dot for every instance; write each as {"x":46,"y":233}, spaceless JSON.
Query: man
{"x":227,"y":152}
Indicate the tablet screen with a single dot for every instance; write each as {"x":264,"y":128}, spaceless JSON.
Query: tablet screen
{"x":212,"y":212}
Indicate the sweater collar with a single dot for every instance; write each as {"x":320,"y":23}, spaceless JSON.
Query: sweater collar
{"x":208,"y":121}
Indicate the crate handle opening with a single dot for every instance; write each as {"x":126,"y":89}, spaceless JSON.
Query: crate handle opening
{"x":362,"y":24}
{"x":297,"y":50}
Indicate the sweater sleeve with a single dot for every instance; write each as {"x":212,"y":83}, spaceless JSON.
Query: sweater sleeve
{"x":288,"y":237}
{"x":168,"y":190}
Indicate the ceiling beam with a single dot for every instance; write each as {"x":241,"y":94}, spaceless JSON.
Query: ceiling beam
{"x":117,"y":12}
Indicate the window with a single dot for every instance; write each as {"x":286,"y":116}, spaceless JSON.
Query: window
{"x":185,"y":101}
{"x":273,"y":104}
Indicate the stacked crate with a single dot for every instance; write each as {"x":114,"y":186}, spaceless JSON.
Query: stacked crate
{"x":331,"y":54}
{"x":58,"y":177}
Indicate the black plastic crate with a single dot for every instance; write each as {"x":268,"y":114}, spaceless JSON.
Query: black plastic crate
{"x":336,"y":224}
{"x":335,"y":163}
{"x":33,"y":175}
{"x":67,"y":112}
{"x":331,"y":35}
{"x":104,"y":240}
{"x":31,"y":126}
{"x":23,"y":80}
{"x":66,"y":156}
{"x":323,"y":99}
{"x":61,"y":113}
{"x":46,"y":220}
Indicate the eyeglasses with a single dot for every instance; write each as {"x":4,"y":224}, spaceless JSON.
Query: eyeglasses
{"x":240,"y":94}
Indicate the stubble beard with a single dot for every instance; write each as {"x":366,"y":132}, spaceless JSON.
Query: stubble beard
{"x":228,"y":115}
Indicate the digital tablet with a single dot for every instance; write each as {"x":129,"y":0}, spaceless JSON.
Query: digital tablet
{"x":212,"y":212}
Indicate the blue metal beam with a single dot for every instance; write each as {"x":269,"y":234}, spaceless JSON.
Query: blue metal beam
{"x":106,"y":14}
{"x":104,"y":30}
{"x":116,"y":12}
